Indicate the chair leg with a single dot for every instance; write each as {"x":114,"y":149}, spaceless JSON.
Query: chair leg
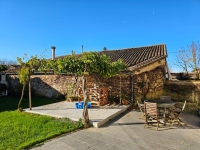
{"x":142,"y":116}
{"x":172,"y":122}
{"x":180,"y":121}
{"x":145,"y":123}
{"x":157,"y":124}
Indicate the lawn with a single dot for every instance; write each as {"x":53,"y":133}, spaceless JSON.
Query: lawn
{"x":11,"y":103}
{"x":20,"y":130}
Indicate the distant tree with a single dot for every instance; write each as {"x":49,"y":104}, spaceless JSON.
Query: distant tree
{"x":104,"y":48}
{"x":182,"y":60}
{"x":4,"y":64}
{"x":3,"y":67}
{"x":2,"y":61}
{"x":195,"y":57}
{"x":189,"y":58}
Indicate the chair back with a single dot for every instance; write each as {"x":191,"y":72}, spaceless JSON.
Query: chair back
{"x":150,"y":108}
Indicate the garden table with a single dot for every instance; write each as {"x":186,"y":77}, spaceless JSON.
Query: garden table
{"x":164,"y":105}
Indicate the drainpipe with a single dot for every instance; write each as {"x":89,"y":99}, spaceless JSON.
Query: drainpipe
{"x":53,"y":52}
{"x":120,"y":90}
{"x":132,"y":89}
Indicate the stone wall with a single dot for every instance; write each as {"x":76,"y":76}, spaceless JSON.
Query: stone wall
{"x":52,"y":85}
{"x":14,"y":86}
{"x":44,"y":85}
{"x":145,"y":85}
{"x":149,"y":84}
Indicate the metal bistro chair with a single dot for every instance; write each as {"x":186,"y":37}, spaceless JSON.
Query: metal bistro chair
{"x":151,"y":114}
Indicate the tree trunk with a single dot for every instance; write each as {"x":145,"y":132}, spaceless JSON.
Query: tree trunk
{"x":21,"y":96}
{"x":85,"y":120}
{"x":75,"y":86}
{"x":30,"y":98}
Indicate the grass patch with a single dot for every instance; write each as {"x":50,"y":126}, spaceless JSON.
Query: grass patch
{"x":11,"y":103}
{"x":20,"y":130}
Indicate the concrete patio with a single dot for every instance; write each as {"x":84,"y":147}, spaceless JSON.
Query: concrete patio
{"x":98,"y":116}
{"x":127,"y":132}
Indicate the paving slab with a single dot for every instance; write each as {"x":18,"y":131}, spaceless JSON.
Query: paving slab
{"x":191,"y":119}
{"x":98,"y":115}
{"x":127,"y":132}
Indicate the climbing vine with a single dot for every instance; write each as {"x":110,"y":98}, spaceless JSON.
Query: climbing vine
{"x":83,"y":65}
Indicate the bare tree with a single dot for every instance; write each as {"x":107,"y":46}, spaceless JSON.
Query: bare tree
{"x":4,"y":61}
{"x":182,"y":59}
{"x":194,"y":64}
{"x":189,"y":58}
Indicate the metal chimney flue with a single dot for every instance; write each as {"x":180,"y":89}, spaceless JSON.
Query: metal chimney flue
{"x":53,"y":52}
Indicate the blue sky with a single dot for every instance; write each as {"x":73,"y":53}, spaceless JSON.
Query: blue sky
{"x":32,"y":26}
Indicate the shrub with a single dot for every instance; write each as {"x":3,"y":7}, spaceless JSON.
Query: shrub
{"x":192,"y":108}
{"x":3,"y":67}
{"x":3,"y":87}
{"x":183,"y":76}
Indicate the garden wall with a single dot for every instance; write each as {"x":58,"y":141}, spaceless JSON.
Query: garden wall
{"x":128,"y":86}
{"x":43,"y":85}
{"x":149,"y":84}
{"x":57,"y":85}
{"x":183,"y":90}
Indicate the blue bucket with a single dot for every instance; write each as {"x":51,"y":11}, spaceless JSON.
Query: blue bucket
{"x":89,"y":104}
{"x":79,"y":105}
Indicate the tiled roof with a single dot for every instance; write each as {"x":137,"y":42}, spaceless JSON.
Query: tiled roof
{"x":138,"y":56}
{"x":132,"y":57}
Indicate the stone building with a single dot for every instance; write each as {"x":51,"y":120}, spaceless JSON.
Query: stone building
{"x":145,"y":78}
{"x":148,"y":71}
